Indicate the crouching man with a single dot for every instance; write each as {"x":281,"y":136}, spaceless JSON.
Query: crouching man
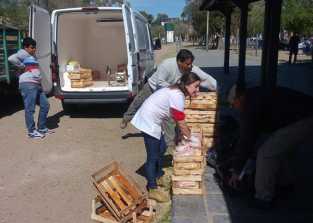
{"x":286,"y":120}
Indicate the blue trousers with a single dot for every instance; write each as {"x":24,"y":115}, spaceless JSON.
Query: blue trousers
{"x":155,"y":149}
{"x":32,"y":93}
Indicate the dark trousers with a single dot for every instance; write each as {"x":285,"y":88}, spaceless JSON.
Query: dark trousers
{"x":155,"y":149}
{"x":295,"y":53}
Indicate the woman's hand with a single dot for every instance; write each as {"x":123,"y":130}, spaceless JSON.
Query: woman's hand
{"x":184,"y":129}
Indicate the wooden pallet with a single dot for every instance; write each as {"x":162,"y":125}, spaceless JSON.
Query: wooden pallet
{"x":100,"y":213}
{"x":120,"y":194}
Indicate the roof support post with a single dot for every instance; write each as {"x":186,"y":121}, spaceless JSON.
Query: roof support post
{"x":243,"y":43}
{"x":270,"y":45}
{"x":227,"y":14}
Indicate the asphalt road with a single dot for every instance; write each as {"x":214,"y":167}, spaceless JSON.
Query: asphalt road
{"x":49,"y":180}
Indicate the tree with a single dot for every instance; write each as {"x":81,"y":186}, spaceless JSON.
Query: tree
{"x":181,"y":29}
{"x":297,"y":16}
{"x":148,"y":16}
{"x":256,"y":18}
{"x":191,"y":13}
{"x":15,"y":13}
{"x":157,"y":31}
{"x":160,"y":17}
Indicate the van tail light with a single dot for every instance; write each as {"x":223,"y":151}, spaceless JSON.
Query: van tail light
{"x":131,"y":95}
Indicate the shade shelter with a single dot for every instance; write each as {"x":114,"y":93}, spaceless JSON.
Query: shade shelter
{"x":270,"y":37}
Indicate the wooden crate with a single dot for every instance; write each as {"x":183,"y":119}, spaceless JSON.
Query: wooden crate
{"x":207,"y":129}
{"x":188,"y":168}
{"x":204,"y":101}
{"x":120,"y":194}
{"x":100,"y":213}
{"x":81,"y":83}
{"x":193,"y":184}
{"x":196,"y":116}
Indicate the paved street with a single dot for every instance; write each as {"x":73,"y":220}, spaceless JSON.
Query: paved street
{"x":48,"y":180}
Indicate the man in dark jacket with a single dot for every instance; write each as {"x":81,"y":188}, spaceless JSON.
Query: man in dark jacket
{"x":293,"y":47}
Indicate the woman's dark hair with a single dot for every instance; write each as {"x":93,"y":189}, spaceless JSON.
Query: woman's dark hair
{"x":185,"y":80}
{"x":184,"y":55}
{"x":28,"y":41}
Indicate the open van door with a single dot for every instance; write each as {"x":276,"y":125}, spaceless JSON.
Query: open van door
{"x":40,"y":30}
{"x":132,"y":56}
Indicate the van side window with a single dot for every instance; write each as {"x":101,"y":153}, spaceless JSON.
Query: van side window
{"x":143,"y":38}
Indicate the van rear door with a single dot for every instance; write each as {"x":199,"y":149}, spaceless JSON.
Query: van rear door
{"x":132,"y":57}
{"x":143,"y":46}
{"x":40,"y":30}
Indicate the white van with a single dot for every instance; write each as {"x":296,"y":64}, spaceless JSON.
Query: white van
{"x":113,"y":42}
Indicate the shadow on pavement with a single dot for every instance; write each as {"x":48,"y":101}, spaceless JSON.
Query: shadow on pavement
{"x":10,"y":104}
{"x":53,"y":121}
{"x":167,"y":162}
{"x":131,"y":135}
{"x":96,"y":111}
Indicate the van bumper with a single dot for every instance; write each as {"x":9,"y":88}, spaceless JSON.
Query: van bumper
{"x":95,"y":97}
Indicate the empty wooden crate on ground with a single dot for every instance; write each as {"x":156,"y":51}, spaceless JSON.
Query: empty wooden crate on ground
{"x":120,"y":195}
{"x":100,"y":213}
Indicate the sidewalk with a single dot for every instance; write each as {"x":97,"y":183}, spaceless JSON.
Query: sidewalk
{"x":216,"y":207}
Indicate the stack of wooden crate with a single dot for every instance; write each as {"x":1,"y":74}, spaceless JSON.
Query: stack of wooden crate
{"x":81,"y":78}
{"x":188,"y":167}
{"x":119,"y":198}
{"x":201,"y":114}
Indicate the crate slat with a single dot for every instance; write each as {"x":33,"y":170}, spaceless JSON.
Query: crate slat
{"x":121,"y":192}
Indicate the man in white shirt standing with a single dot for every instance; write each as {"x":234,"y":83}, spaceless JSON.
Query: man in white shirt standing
{"x":168,"y":73}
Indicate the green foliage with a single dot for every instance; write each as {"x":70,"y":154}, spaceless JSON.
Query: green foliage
{"x":256,"y":18}
{"x":15,"y":13}
{"x":159,"y":18}
{"x":297,"y":16}
{"x":180,"y":29}
{"x":148,"y":16}
{"x":157,"y":31}
{"x":191,"y":13}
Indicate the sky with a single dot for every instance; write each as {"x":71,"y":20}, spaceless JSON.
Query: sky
{"x":173,"y":8}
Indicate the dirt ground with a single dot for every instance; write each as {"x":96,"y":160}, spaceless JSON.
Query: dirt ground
{"x":49,"y":180}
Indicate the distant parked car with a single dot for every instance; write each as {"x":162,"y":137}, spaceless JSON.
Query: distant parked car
{"x":306,"y":46}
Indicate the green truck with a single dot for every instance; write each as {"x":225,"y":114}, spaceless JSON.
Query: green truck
{"x":10,"y":42}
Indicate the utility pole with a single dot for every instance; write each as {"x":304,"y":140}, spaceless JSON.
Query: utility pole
{"x":207,"y":30}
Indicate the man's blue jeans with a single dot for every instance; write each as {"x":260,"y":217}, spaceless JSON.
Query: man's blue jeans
{"x":32,"y":93}
{"x":155,"y":149}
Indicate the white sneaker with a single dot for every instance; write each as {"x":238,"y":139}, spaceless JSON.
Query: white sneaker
{"x":36,"y":135}
{"x":46,"y":131}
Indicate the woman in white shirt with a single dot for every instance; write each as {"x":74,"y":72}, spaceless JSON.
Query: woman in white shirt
{"x":165,"y":103}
